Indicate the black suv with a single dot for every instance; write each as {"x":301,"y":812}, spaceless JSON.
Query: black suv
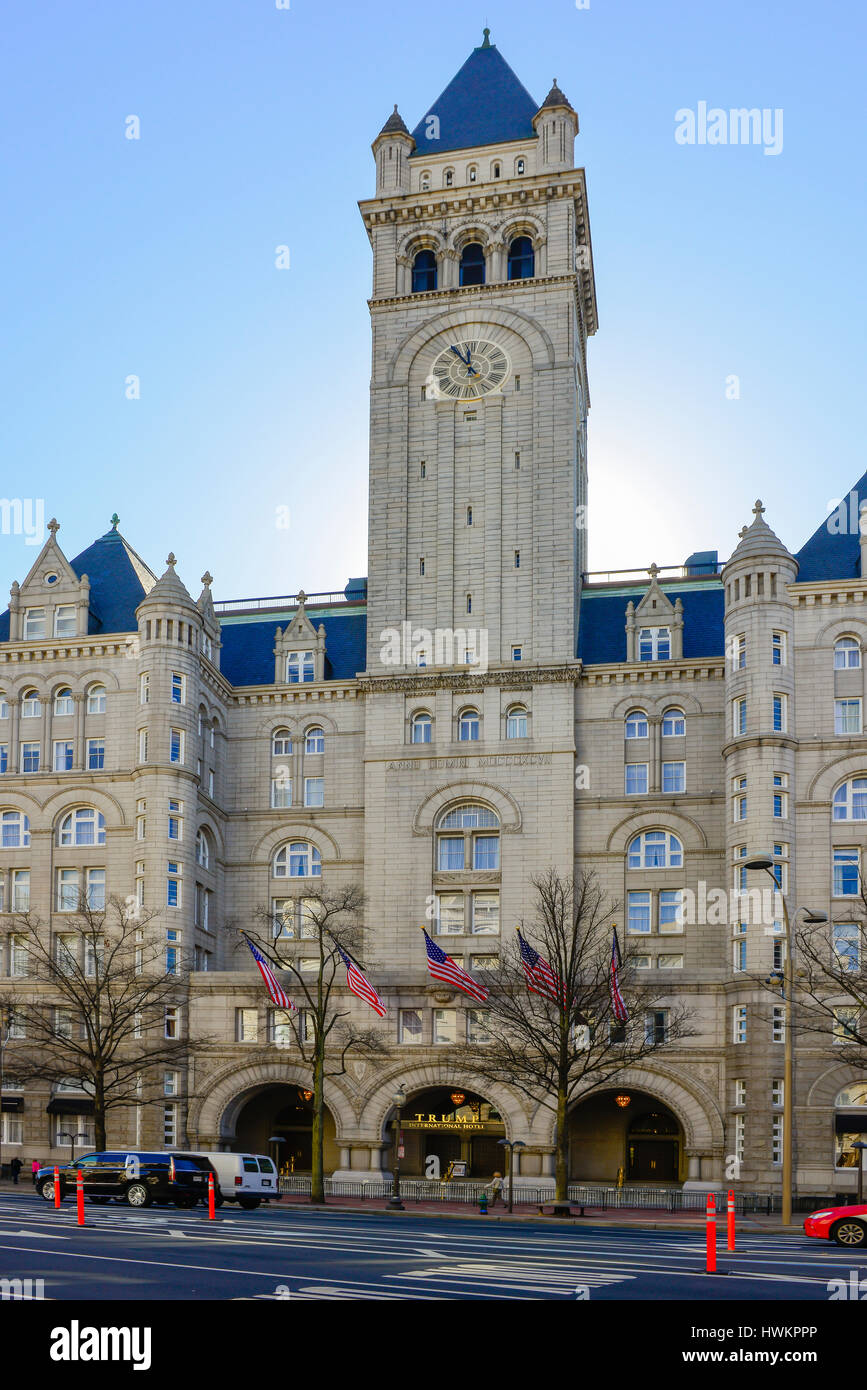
{"x":136,"y":1178}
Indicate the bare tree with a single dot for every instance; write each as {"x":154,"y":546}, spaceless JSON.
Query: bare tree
{"x":321,"y":1026}
{"x":92,"y":1006}
{"x":554,"y":1049}
{"x":831,"y":980}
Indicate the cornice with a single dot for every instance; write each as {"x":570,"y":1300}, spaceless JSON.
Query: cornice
{"x":641,"y":672}
{"x":826,"y":590}
{"x":449,"y":202}
{"x":471,"y":684}
{"x":772,"y":740}
{"x":486,"y":291}
{"x":22,"y":652}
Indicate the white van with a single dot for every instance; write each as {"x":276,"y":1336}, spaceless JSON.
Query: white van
{"x":247,"y":1179}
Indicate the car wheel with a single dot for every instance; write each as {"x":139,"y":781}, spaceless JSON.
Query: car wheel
{"x":185,"y":1202}
{"x":137,"y":1195}
{"x":46,"y":1190}
{"x":249,"y":1203}
{"x":100,"y":1201}
{"x":850,"y":1233}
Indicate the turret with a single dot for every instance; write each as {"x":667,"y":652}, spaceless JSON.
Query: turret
{"x":392,"y":149}
{"x":556,"y":124}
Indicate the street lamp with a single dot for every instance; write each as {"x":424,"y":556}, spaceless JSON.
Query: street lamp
{"x":860,"y":1146}
{"x":398,"y":1100}
{"x":766,"y":864}
{"x":511,"y":1145}
{"x":5,"y":1033}
{"x":65,"y":1134}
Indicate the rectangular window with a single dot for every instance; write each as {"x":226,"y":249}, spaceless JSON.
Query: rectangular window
{"x":847,"y":1022}
{"x":638,"y":914}
{"x":246,"y":1025}
{"x":95,"y":754}
{"x":669,"y":962}
{"x":674,"y":777}
{"x":144,"y":688}
{"x":780,"y":713}
{"x":739,"y":716}
{"x":670,"y":921}
{"x":94,"y":955}
{"x":63,"y":756}
{"x":739,"y":962}
{"x":778,"y":648}
{"x":314,"y":791}
{"x":778,"y":1024}
{"x":847,"y":717}
{"x":95,"y":889}
{"x":486,"y":852}
{"x":171,"y":1083}
{"x":175,"y":826}
{"x":280,"y":1028}
{"x":142,"y":745}
{"x":847,"y":946}
{"x":173,"y":884}
{"x":656,"y":1027}
{"x":30,"y":757}
{"x":450,"y":914}
{"x":636,"y":779}
{"x":517,"y":653}
{"x":487,"y":962}
{"x":19,"y":956}
{"x":178,"y":692}
{"x":410,"y":1026}
{"x":517,"y":559}
{"x":451,"y":853}
{"x":739,"y":652}
{"x":170,"y":1126}
{"x":20,"y":890}
{"x":176,"y":746}
{"x":739,"y":798}
{"x":777,"y":1092}
{"x":739,"y":1023}
{"x":654,"y":644}
{"x":776,"y":1141}
{"x":740,"y":1092}
{"x":486,"y":914}
{"x":847,"y":873}
{"x":67,"y":890}
{"x":740,"y":1128}
{"x":34,"y":624}
{"x":4,"y":757}
{"x":477,"y":1026}
{"x":445,"y":1026}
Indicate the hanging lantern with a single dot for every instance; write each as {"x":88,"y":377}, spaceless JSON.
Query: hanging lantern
{"x":457,"y":1097}
{"x":622,"y":1101}
{"x":306,"y":1095}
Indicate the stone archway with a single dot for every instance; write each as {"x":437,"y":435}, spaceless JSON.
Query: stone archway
{"x":624,"y":1135}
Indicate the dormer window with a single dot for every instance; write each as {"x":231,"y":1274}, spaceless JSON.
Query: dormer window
{"x":34,"y":624}
{"x":64,"y":620}
{"x":299,"y":668}
{"x":654,"y":644}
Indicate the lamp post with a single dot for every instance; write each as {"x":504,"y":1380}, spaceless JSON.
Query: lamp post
{"x":65,"y":1134}
{"x":860,"y":1146}
{"x":5,"y":1030}
{"x":398,"y":1099}
{"x":511,"y":1145}
{"x":766,"y":864}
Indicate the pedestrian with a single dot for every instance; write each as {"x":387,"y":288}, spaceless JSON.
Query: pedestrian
{"x":495,"y":1187}
{"x":34,"y":1169}
{"x":15,"y":1168}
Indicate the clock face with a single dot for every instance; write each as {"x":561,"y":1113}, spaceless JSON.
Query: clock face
{"x":469,"y":369}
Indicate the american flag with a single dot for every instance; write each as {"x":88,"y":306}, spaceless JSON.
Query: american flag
{"x":442,"y":967}
{"x":275,"y":990}
{"x":360,"y":986}
{"x":618,"y":1005}
{"x":540,"y":977}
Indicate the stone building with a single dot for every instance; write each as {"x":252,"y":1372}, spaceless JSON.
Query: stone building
{"x":478,"y":708}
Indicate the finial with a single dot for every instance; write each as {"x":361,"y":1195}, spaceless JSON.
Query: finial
{"x":301,"y":597}
{"x":171,"y":561}
{"x":115,"y":521}
{"x":54,"y":526}
{"x":653,"y":571}
{"x":395,"y":108}
{"x":486,"y":42}
{"x":207,"y":579}
{"x":742,"y":532}
{"x":758,"y":508}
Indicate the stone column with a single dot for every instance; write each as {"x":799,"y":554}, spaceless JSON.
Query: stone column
{"x":654,"y":772}
{"x":344,"y":1156}
{"x":14,"y":713}
{"x":375,"y":1158}
{"x":78,"y":735}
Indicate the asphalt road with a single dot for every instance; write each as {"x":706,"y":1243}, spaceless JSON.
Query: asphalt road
{"x":290,"y":1253}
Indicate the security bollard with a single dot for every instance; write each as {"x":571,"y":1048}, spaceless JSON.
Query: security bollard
{"x":56,"y":1186}
{"x":211,"y":1214}
{"x":711,"y":1234}
{"x":79,"y":1194}
{"x":731,"y":1220}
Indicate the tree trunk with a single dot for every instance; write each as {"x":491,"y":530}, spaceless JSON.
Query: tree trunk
{"x":317,"y":1186}
{"x":561,"y":1167}
{"x":99,"y":1135}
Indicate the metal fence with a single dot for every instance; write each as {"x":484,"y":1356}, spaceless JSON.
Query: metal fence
{"x":590,"y":1195}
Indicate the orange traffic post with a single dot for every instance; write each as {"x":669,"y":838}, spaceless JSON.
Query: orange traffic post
{"x":211,"y":1213}
{"x":79,"y":1194}
{"x":711,"y":1234}
{"x":56,"y":1186}
{"x":731,"y":1220}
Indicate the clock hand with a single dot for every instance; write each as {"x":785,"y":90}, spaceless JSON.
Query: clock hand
{"x":457,"y":353}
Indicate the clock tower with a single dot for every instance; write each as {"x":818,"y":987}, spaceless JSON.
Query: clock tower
{"x":482,"y":304}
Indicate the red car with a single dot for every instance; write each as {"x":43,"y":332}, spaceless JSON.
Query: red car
{"x":846,"y":1225}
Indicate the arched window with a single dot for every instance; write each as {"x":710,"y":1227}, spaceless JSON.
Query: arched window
{"x":468,"y":726}
{"x":520,"y":166}
{"x":468,"y":837}
{"x":472,"y":173}
{"x":495,"y":172}
{"x":522,"y":259}
{"x":424,"y":272}
{"x":420,"y":729}
{"x":472,"y":269}
{"x":469,"y":516}
{"x":847,"y":653}
{"x":14,"y":830}
{"x":63,"y":701}
{"x":281,"y":743}
{"x":314,"y":741}
{"x":516,"y":722}
{"x":852,"y":1096}
{"x":83,"y":826}
{"x":4,"y":705}
{"x":424,"y":182}
{"x":96,"y":699}
{"x":297,"y":860}
{"x":203,"y":849}
{"x":31,"y":705}
{"x":636,"y":724}
{"x":655,"y":849}
{"x":850,"y":800}
{"x":449,"y":178}
{"x":673,"y":723}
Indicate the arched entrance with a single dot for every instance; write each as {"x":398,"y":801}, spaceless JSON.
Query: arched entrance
{"x":450,"y":1124}
{"x":625,"y":1135}
{"x":278,"y":1120}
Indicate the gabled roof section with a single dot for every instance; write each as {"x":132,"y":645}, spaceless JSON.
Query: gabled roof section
{"x":834,"y":549}
{"x":119,"y":580}
{"x":602,"y":615}
{"x":484,"y":104}
{"x":247,"y":657}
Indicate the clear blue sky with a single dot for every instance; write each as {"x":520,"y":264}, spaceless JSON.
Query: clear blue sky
{"x":155,"y":257}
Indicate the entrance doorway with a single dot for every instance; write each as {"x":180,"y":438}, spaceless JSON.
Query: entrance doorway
{"x":624,"y":1136}
{"x":278,"y":1120}
{"x":447,"y":1124}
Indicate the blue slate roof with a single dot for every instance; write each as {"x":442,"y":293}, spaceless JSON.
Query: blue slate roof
{"x":247,"y":657}
{"x":119,"y":580}
{"x":834,"y":551}
{"x":602,"y":622}
{"x":484,"y":104}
